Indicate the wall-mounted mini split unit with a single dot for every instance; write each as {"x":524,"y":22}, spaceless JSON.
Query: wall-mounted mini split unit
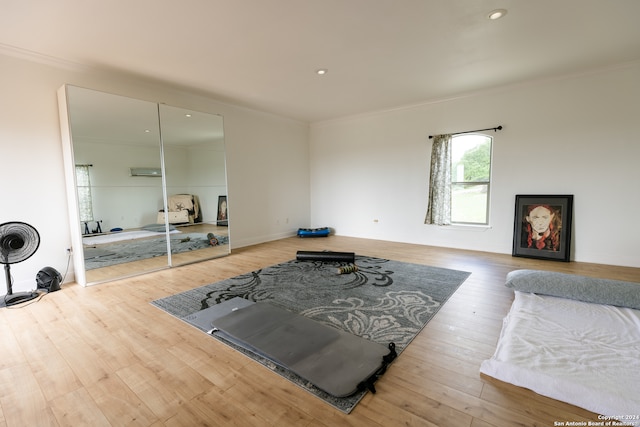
{"x":153,"y":172}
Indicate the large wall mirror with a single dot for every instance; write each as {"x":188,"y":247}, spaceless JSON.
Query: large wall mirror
{"x":146,"y":184}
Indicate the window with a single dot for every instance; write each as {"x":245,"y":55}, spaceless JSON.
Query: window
{"x":470,"y":179}
{"x":85,"y":201}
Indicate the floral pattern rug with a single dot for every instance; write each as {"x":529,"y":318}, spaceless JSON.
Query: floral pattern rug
{"x":383,"y":301}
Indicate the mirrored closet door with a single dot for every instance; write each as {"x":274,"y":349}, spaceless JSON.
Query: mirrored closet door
{"x":146,"y":184}
{"x":195,"y":179}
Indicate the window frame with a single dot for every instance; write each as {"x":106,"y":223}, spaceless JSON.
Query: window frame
{"x":462,"y":183}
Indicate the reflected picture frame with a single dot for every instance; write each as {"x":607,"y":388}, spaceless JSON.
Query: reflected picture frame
{"x":222,"y":215}
{"x":542,"y":227}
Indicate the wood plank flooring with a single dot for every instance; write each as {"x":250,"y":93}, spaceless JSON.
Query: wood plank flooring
{"x":103,"y":356}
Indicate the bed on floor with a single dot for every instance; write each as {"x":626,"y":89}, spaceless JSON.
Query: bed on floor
{"x":575,"y":339}
{"x":121,"y":236}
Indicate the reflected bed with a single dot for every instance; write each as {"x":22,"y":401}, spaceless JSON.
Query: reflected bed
{"x":122,"y":236}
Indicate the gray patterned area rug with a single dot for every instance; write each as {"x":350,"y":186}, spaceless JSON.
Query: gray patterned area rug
{"x":383,"y":301}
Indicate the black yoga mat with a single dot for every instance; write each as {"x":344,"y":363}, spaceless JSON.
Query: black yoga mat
{"x":326,"y":256}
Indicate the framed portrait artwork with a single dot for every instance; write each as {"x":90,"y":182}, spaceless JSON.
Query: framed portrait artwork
{"x":223,"y":216}
{"x":542,"y":227}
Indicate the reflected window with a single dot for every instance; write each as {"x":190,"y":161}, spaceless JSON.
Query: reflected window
{"x":85,"y":202}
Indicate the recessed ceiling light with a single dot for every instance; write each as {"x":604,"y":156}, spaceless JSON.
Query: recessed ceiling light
{"x":187,"y":115}
{"x":322,"y":71}
{"x":497,"y":14}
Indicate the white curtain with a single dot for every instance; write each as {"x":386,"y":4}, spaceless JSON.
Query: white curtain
{"x":439,"y":207}
{"x":85,"y":203}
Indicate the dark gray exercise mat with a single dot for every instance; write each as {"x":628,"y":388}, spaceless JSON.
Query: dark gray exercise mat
{"x":204,"y":318}
{"x":332,"y":360}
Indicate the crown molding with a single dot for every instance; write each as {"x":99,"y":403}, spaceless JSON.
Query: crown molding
{"x":32,"y":56}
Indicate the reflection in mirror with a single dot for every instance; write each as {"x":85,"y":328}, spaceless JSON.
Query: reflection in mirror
{"x":111,"y":134}
{"x":195,"y":177}
{"x":118,"y":168}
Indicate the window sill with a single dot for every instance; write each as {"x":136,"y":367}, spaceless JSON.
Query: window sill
{"x":469,"y":227}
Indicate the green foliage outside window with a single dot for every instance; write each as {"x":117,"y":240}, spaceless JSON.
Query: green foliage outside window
{"x":477,"y":163}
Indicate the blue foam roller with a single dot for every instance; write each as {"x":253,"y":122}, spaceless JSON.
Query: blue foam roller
{"x":313,"y":232}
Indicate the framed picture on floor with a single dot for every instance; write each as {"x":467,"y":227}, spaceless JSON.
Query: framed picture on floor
{"x":223,"y":218}
{"x":542,"y":227}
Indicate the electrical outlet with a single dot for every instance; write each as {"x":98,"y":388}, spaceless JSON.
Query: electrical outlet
{"x":68,"y":251}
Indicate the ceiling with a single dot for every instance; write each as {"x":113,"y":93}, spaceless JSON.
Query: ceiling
{"x":97,"y":117}
{"x":380,"y":54}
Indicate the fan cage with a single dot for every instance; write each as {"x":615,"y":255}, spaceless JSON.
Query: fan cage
{"x":18,"y":242}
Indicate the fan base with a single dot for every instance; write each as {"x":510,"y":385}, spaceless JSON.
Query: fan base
{"x":17,"y":298}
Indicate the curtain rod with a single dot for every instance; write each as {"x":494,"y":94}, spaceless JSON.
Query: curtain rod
{"x":471,"y":131}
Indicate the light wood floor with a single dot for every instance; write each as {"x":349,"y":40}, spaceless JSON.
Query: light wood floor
{"x":103,"y":356}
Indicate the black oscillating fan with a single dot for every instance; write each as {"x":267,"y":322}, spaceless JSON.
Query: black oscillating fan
{"x":18,"y":241}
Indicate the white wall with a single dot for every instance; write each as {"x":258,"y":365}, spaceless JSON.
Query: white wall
{"x":206,"y":176}
{"x":577,"y":135}
{"x":267,"y":159}
{"x":120,"y":200}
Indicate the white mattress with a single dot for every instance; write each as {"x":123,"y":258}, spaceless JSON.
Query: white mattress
{"x":121,"y":236}
{"x":585,"y":354}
